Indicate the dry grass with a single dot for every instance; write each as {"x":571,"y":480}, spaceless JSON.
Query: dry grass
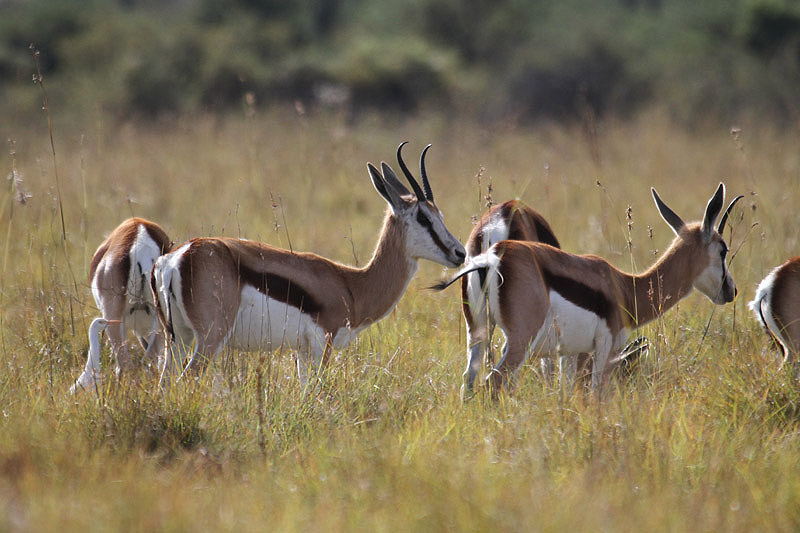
{"x":702,"y":438}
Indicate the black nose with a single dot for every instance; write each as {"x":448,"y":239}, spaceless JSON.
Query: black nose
{"x":460,"y":255}
{"x":730,"y":293}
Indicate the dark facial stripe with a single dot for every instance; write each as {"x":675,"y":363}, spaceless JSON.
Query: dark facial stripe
{"x":579,"y":294}
{"x":280,"y":289}
{"x":438,"y":242}
{"x":426,"y":223}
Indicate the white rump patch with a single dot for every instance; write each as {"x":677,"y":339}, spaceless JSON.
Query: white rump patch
{"x":494,"y":231}
{"x":762,"y":304}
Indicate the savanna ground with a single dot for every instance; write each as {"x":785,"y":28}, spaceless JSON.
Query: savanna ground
{"x":704,"y":436}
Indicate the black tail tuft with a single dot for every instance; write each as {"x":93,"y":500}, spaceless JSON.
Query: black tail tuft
{"x":442,"y":285}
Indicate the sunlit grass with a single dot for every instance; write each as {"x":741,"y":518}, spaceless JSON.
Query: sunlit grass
{"x":701,"y":437}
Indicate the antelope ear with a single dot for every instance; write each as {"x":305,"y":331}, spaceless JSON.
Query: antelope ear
{"x":384,"y":189}
{"x":712,"y":212}
{"x":393,"y":181}
{"x":669,"y":216}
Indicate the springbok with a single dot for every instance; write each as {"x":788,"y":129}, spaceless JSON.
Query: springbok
{"x":218,"y":291}
{"x":776,"y":307}
{"x":120,"y":279}
{"x":549,"y":302}
{"x":510,"y":220}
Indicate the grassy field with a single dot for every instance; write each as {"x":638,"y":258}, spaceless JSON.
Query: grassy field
{"x":703,"y":437}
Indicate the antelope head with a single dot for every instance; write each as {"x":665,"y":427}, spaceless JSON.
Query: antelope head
{"x":427,"y":237}
{"x":714,"y":279}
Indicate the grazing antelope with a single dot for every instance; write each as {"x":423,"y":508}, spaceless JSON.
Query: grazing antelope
{"x":549,"y":302}
{"x":776,"y":306}
{"x":510,"y":220}
{"x":218,"y":291}
{"x":120,"y":278}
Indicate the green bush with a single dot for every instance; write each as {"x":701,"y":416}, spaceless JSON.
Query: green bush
{"x":712,"y":60}
{"x":47,"y":25}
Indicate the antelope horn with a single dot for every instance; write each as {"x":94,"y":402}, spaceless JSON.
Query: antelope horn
{"x":724,"y":218}
{"x":425,"y":183}
{"x":409,"y":177}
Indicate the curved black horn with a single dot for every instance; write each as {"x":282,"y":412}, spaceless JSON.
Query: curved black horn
{"x":425,"y":184}
{"x":409,"y":177}
{"x":724,"y":218}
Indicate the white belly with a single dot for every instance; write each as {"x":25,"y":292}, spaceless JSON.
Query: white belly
{"x":266,"y":324}
{"x":568,"y":329}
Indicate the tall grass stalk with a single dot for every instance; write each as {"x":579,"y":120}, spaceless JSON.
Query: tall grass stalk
{"x":38,"y":79}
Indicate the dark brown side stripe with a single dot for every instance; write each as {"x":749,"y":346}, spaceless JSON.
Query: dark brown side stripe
{"x":280,"y":289}
{"x":272,"y":285}
{"x":579,"y":294}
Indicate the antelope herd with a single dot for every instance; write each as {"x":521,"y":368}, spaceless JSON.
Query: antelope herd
{"x":186,"y":303}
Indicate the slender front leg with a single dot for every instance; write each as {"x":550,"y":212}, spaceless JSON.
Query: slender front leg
{"x":548,"y":369}
{"x":567,"y":370}
{"x":584,"y":368}
{"x":603,"y":345}
{"x":314,"y":358}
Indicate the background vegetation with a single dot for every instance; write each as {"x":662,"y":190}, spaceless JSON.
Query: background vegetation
{"x":256,"y":121}
{"x":495,"y":60}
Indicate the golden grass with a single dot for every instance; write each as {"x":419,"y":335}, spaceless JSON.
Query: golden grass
{"x":703,"y":437}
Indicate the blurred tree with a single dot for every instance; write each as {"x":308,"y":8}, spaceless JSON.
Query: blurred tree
{"x":771,"y":26}
{"x":531,"y":59}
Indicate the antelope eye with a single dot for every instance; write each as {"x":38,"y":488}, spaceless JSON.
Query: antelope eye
{"x":723,"y":252}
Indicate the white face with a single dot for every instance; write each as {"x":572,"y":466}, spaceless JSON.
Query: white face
{"x":715,"y":281}
{"x":429,"y":238}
